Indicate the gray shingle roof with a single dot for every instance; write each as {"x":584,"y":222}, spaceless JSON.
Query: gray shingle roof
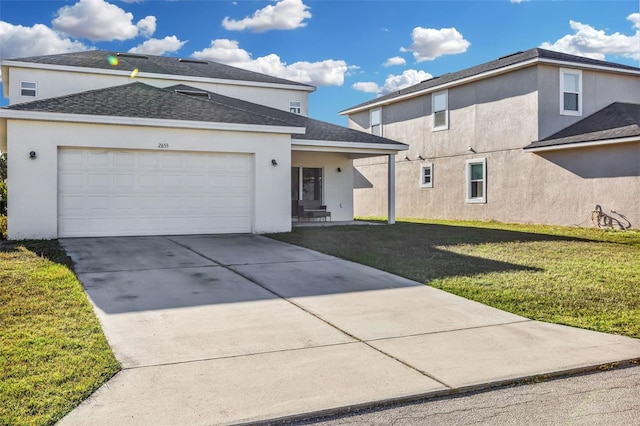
{"x":618,"y":120}
{"x":496,"y":64}
{"x":316,"y":130}
{"x":156,"y":64}
{"x":143,"y":101}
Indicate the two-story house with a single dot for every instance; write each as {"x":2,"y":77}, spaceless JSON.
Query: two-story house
{"x":105,"y":143}
{"x":532,"y":137}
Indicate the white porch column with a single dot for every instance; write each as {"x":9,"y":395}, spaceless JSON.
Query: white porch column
{"x":391,"y":189}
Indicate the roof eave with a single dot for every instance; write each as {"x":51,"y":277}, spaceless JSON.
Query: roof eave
{"x":487,"y":74}
{"x":578,"y":145}
{"x":347,"y":147}
{"x":181,"y":78}
{"x":147,"y":122}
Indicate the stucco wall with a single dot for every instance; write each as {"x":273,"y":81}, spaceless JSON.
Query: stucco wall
{"x":599,"y":89}
{"x":561,"y":187}
{"x":338,"y":193}
{"x":497,"y":117}
{"x":32,"y":184}
{"x":57,"y":83}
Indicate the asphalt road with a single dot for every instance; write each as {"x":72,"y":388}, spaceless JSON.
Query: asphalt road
{"x":602,"y":398}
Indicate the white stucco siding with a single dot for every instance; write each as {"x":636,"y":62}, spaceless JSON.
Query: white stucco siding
{"x":338,"y":185}
{"x":33,"y":186}
{"x":52,"y":83}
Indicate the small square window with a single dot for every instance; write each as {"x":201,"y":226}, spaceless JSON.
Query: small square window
{"x":28,"y":88}
{"x":295,"y":107}
{"x":477,"y":181}
{"x":426,"y":175}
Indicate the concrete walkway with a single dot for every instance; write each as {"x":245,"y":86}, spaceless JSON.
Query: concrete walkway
{"x":240,"y":329}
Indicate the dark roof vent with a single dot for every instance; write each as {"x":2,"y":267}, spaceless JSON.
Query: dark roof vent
{"x":192,"y":61}
{"x":197,"y":93}
{"x":432,"y":78}
{"x":132,"y":55}
{"x":510,"y":55}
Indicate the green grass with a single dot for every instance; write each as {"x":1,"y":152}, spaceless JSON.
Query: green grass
{"x":53,"y":353}
{"x":588,"y":278}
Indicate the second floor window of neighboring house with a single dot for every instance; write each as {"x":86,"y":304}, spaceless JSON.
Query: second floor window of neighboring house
{"x":28,"y":88}
{"x":477,"y":181}
{"x":440,"y":107}
{"x":295,"y":107}
{"x":570,"y":92}
{"x":376,"y":122}
{"x":426,"y":175}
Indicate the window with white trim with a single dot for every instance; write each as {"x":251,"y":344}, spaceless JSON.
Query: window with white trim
{"x":426,"y":175}
{"x":477,"y":180}
{"x":376,"y":121}
{"x":440,"y":108}
{"x":570,"y":92}
{"x":28,"y":88}
{"x":295,"y":107}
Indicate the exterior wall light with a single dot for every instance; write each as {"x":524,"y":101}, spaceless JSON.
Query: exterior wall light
{"x":274,"y":162}
{"x":420,"y":157}
{"x":407,"y":158}
{"x":339,"y":169}
{"x":33,"y":155}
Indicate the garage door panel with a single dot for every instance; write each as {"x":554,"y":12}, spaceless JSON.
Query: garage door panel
{"x":124,"y":159}
{"x":97,"y":159}
{"x":105,"y":193}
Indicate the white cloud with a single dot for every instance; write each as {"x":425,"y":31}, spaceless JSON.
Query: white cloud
{"x":366,"y":86}
{"x":284,"y":15}
{"x":329,"y":72}
{"x":99,"y":20}
{"x":517,"y":1}
{"x":147,"y":26}
{"x":396,"y":60}
{"x":429,"y":43}
{"x":224,"y":51}
{"x":156,"y":46}
{"x":592,"y":43}
{"x":393,"y":83}
{"x":17,"y":41}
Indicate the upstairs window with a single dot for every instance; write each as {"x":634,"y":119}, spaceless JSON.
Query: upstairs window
{"x":570,"y":92}
{"x":440,"y":108}
{"x":28,"y":88}
{"x":376,"y":122}
{"x":295,"y":107}
{"x":426,"y":175}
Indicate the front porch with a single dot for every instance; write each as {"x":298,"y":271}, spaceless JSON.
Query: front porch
{"x":323,"y":181}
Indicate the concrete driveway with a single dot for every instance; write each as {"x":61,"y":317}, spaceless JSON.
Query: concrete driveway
{"x":241,"y":328}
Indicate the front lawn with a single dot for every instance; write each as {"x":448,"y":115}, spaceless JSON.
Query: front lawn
{"x":53,"y":353}
{"x":588,"y":278}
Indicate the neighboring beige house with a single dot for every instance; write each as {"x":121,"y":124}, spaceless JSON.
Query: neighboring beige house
{"x":105,"y":143}
{"x":532,"y":137}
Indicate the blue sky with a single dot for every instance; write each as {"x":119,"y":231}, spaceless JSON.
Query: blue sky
{"x":352,"y":50}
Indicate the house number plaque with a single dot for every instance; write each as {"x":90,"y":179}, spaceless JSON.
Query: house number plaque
{"x":163,"y":145}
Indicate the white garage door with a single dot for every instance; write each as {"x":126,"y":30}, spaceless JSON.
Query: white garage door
{"x":114,"y":193}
